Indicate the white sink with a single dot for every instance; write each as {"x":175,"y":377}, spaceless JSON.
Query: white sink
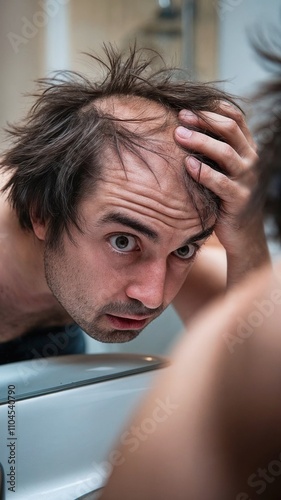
{"x":68,"y":413}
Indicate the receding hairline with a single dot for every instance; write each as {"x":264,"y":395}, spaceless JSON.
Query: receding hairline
{"x":145,"y":121}
{"x":134,"y":110}
{"x":136,"y":125}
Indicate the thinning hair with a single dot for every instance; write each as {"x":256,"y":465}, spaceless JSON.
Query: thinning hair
{"x":57,"y":151}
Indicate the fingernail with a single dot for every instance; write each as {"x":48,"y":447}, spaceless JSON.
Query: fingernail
{"x":185,"y":113}
{"x":193,"y":163}
{"x":184,"y":132}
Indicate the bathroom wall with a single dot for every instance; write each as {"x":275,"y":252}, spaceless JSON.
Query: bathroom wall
{"x":239,"y":22}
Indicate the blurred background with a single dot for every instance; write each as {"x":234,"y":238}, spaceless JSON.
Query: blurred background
{"x":211,"y":38}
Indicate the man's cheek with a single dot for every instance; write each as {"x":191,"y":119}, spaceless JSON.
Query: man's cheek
{"x":180,"y":280}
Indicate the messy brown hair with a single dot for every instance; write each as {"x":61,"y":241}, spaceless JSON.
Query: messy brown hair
{"x":56,"y":154}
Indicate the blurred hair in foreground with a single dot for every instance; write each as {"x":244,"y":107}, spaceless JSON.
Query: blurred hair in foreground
{"x":268,"y":109}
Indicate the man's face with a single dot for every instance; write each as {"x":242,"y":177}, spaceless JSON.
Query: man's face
{"x":140,"y":237}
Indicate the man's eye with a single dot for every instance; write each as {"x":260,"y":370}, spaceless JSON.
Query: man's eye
{"x":123,"y":243}
{"x":185,"y":252}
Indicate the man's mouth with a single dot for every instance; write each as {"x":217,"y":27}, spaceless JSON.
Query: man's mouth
{"x":127,"y":323}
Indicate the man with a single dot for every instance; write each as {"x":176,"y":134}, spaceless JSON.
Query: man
{"x":102,"y":215}
{"x":220,"y":438}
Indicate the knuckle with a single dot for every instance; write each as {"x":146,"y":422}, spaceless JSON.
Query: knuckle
{"x":238,"y":115}
{"x":255,"y":148}
{"x":227,"y":152}
{"x":224,"y":183}
{"x":245,"y":195}
{"x":232,"y":126}
{"x":251,"y":160}
{"x":207,"y":173}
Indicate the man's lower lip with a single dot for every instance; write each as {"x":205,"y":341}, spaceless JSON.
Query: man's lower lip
{"x":126,"y":323}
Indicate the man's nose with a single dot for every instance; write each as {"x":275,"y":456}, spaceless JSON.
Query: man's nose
{"x":149,"y":285}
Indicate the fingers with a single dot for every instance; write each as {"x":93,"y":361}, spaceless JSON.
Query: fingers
{"x":233,"y":148}
{"x":235,"y":196}
{"x":225,"y":156}
{"x":230,"y":146}
{"x":235,"y":114}
{"x":231,"y":130}
{"x":231,"y":119}
{"x":221,"y":152}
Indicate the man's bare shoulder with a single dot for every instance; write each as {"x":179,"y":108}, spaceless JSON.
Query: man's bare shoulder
{"x":25,"y":300}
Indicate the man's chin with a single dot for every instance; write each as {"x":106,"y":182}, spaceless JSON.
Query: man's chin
{"x":114,"y":336}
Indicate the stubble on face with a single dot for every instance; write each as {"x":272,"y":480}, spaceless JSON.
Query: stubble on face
{"x":92,"y":318}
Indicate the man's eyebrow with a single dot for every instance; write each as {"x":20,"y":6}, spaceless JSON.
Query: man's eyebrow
{"x":130,"y":222}
{"x":138,"y":226}
{"x":200,"y":236}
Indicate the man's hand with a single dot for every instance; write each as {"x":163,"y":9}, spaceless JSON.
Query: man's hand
{"x":235,"y":153}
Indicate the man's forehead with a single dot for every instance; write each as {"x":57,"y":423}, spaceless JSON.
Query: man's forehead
{"x":149,"y":159}
{"x":160,"y":168}
{"x":160,"y":194}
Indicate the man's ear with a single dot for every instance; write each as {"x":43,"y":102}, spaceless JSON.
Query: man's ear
{"x":39,"y":227}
